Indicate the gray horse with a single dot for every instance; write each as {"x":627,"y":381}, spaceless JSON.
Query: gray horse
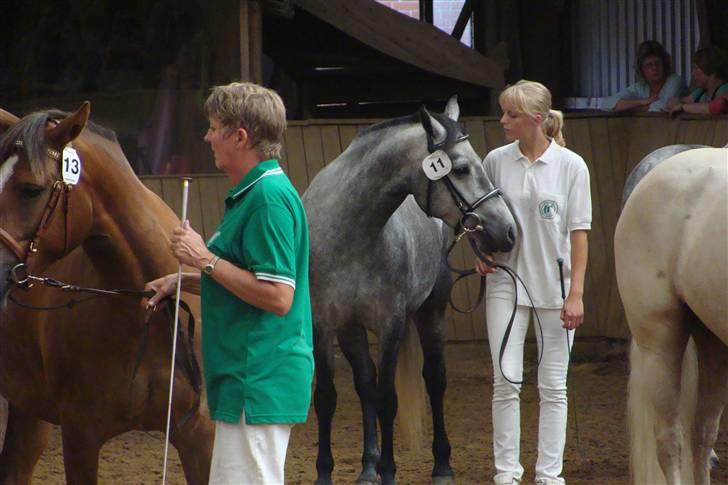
{"x":378,"y":261}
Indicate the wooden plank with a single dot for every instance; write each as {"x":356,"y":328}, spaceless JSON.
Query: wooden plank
{"x":600,"y":272}
{"x":194,"y":208}
{"x":314,"y":149}
{"x":461,"y":322}
{"x":494,"y":137}
{"x":346,"y":134}
{"x":477,"y":136}
{"x":209,"y":205}
{"x":331,"y":141}
{"x":172,"y":194}
{"x":720,"y":137}
{"x":154,"y":184}
{"x":244,"y":23}
{"x":407,"y":39}
{"x":699,"y":132}
{"x":297,"y":159}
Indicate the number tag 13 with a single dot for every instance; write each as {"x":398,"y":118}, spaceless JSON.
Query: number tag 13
{"x":71,"y":166}
{"x":436,"y":165}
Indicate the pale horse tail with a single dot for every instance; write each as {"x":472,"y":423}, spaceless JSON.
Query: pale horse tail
{"x":641,"y":418}
{"x":410,"y":390}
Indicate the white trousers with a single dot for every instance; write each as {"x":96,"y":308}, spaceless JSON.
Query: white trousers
{"x":506,"y":396}
{"x":245,"y":454}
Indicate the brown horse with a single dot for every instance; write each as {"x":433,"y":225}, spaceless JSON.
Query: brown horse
{"x":100,"y":367}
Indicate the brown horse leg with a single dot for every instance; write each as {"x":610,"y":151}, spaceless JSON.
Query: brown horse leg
{"x":25,"y":441}
{"x":81,"y":446}
{"x":194,"y":445}
{"x":712,"y":398}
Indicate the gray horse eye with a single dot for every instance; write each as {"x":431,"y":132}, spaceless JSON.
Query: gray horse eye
{"x":461,"y":169}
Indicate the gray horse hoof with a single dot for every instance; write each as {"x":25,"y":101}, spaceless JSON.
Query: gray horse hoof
{"x":369,"y":482}
{"x":714,"y":460}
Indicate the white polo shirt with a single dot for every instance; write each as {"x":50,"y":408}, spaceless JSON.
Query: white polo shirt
{"x":550,"y":198}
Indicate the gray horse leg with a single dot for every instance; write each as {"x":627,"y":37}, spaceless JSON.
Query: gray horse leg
{"x":355,"y":346}
{"x":324,"y":401}
{"x":712,"y":398}
{"x":387,"y":410}
{"x":25,"y":441}
{"x":430,"y":322}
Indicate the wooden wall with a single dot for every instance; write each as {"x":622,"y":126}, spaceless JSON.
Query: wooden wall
{"x":611,"y":146}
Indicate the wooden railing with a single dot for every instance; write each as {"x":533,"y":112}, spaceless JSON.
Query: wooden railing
{"x":611,"y":146}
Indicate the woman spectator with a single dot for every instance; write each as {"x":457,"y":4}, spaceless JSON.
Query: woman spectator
{"x":709,"y":78}
{"x":657,"y":83}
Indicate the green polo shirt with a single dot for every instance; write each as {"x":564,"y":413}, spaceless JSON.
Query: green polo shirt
{"x":255,"y":360}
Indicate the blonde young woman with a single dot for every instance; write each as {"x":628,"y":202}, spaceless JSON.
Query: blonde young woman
{"x":548,"y":187}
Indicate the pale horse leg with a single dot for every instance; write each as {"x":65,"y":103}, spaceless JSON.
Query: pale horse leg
{"x":654,"y":384}
{"x":712,"y":399}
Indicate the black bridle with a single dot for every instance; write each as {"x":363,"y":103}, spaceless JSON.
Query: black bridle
{"x":471,"y":223}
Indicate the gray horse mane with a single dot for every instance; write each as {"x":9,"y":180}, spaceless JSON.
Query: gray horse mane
{"x":453,"y":128}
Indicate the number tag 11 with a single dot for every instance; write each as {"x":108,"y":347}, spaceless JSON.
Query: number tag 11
{"x":436,"y":165}
{"x":71,"y":166}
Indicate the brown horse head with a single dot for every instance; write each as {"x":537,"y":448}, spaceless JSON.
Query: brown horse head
{"x":36,"y":222}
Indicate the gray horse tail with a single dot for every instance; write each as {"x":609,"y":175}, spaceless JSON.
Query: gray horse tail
{"x":410,"y":389}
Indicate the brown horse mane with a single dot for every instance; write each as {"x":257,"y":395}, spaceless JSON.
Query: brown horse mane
{"x":32,"y":129}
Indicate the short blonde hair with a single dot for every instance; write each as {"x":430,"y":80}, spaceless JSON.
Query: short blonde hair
{"x":258,"y":110}
{"x":532,"y":98}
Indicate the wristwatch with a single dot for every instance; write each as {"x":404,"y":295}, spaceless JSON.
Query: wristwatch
{"x":210,"y":267}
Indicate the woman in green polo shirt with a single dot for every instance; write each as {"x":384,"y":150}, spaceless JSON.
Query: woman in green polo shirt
{"x":253,"y":277}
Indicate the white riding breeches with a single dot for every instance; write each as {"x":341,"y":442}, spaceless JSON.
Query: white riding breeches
{"x":249,"y":453}
{"x":552,"y":373}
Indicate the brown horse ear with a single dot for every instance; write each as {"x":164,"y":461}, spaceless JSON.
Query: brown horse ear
{"x":69,"y":128}
{"x":7,"y":120}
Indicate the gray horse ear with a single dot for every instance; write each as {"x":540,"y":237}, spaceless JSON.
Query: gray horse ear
{"x":69,"y":128}
{"x":452,"y":110}
{"x":434,"y":128}
{"x":7,"y":120}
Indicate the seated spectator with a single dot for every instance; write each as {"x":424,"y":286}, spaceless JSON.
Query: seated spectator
{"x":710,"y":79}
{"x":656,"y":85}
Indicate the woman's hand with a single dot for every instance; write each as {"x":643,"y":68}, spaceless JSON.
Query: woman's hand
{"x":163,"y":287}
{"x":483,"y":267}
{"x":572,"y":314}
{"x":189,"y":248}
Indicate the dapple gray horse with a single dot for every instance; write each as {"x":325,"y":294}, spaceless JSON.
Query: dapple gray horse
{"x":378,"y":260}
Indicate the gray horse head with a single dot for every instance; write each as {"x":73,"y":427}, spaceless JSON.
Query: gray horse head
{"x":465,"y":198}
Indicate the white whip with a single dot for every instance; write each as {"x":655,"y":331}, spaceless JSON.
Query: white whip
{"x":185,"y":194}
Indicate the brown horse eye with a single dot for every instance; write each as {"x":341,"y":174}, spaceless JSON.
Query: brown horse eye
{"x":27,"y":192}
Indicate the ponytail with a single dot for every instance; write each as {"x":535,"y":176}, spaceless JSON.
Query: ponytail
{"x":553,"y":126}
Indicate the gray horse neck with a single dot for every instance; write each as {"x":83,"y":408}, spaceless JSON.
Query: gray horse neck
{"x":372,"y":179}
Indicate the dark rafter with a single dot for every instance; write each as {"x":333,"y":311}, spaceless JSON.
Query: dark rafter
{"x":462,"y":22}
{"x":426,"y":11}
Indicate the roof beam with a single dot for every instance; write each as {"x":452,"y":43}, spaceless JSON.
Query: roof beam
{"x":465,"y":14}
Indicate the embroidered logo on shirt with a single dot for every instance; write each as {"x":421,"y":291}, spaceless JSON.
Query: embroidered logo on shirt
{"x":548,"y":209}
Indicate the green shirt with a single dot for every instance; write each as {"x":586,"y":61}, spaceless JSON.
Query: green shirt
{"x":255,"y":360}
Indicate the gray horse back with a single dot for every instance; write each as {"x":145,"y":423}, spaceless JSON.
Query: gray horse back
{"x":653,"y":159}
